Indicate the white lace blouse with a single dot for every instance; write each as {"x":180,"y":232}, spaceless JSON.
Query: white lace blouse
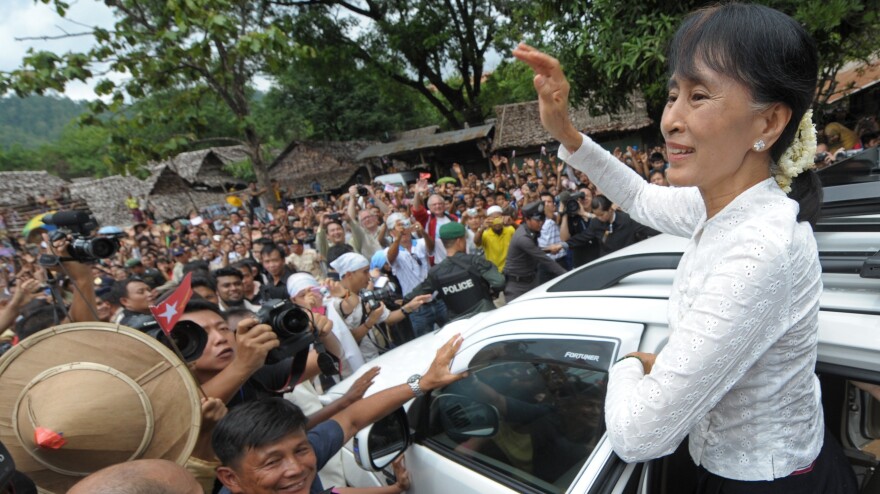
{"x":737,"y":371}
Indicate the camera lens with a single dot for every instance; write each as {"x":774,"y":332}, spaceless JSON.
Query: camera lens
{"x":291,"y":321}
{"x":190,"y":339}
{"x":102,"y":248}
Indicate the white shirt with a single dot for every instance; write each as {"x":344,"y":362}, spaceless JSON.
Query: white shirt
{"x":351,"y":358}
{"x":368,"y":350}
{"x":439,"y":251}
{"x":411,"y":267}
{"x":737,"y":371}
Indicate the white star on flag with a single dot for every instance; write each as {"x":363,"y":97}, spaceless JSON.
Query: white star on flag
{"x":170,"y":312}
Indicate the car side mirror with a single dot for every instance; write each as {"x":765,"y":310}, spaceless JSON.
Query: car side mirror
{"x":463,"y":416}
{"x":377,"y":445}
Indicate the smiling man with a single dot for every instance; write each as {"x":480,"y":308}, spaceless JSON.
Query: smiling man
{"x":263,"y":445}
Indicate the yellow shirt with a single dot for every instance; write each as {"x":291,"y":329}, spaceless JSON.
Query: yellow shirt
{"x":495,"y":246}
{"x":132,"y":203}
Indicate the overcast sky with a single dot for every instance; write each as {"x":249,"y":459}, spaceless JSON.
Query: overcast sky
{"x":24,"y":18}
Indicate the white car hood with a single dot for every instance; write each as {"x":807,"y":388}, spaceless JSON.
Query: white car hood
{"x":410,"y":358}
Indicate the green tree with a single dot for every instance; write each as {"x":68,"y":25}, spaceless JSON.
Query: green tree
{"x":611,"y":47}
{"x":437,"y":48}
{"x":330,"y":96}
{"x":189,"y":46}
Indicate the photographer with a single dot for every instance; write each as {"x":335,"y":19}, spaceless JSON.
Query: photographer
{"x":233,"y":365}
{"x":576,"y":220}
{"x":610,"y":228}
{"x":354,"y":275}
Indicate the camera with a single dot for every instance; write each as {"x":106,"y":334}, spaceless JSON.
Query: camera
{"x":187,"y":336}
{"x":572,"y":207}
{"x":533,"y":186}
{"x":363,"y":191}
{"x":78,"y":224}
{"x":290,"y":323}
{"x":820,"y":157}
{"x":383,"y":291}
{"x":334,"y":216}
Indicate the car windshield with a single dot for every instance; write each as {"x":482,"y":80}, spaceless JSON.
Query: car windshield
{"x":547,"y":413}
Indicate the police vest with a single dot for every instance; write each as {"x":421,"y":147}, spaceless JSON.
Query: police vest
{"x":459,"y":289}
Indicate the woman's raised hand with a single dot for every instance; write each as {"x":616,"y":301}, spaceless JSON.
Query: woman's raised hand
{"x":552,"y":88}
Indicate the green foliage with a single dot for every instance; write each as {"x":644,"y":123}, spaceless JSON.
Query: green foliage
{"x":187,"y":47}
{"x":242,"y":170}
{"x":511,"y":82}
{"x":612,"y":47}
{"x":435,"y":48}
{"x":330,"y":96}
{"x":76,"y":153}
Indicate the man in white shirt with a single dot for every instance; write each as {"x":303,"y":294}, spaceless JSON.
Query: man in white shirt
{"x":354,"y":276}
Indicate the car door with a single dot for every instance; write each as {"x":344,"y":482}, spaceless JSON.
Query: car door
{"x":545,"y":378}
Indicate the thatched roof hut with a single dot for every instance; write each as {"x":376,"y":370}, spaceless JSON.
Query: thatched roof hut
{"x":333,"y":164}
{"x":16,"y":186}
{"x":519,"y":125}
{"x":106,"y":197}
{"x":173,"y":197}
{"x":205,"y":167}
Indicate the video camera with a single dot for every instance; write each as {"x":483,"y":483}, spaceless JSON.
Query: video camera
{"x":290,"y":323}
{"x":572,"y":207}
{"x":78,"y":225}
{"x":383,"y":291}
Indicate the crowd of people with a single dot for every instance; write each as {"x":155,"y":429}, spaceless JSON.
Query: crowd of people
{"x":370,"y":268}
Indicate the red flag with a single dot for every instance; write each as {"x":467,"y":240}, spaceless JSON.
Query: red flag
{"x":168,"y":312}
{"x":424,"y":176}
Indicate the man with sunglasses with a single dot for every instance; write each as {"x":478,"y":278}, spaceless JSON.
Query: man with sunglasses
{"x":524,"y":256}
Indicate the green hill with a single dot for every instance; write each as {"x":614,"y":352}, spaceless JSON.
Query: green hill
{"x":36,"y":120}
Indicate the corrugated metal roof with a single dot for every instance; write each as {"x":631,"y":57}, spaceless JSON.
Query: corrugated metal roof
{"x":425,"y":142}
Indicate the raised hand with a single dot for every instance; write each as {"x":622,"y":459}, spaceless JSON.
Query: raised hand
{"x":553,"y":89}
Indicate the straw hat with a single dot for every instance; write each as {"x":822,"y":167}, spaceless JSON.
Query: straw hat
{"x":79,"y":397}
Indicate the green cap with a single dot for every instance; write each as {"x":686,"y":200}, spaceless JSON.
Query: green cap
{"x":130,"y":263}
{"x":451,"y":230}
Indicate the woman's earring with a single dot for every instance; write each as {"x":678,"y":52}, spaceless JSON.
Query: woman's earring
{"x":759,"y":145}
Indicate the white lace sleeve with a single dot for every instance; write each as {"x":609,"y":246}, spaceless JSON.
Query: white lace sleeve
{"x":727,"y":318}
{"x":673,"y":210}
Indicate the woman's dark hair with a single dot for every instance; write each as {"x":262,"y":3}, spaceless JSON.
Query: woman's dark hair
{"x":769,"y":53}
{"x":255,"y":424}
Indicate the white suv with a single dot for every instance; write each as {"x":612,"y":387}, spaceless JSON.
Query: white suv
{"x":528,"y":418}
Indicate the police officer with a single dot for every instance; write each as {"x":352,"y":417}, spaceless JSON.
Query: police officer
{"x":524,"y":256}
{"x":465,"y":282}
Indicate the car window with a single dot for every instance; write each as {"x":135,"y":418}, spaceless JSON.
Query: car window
{"x":531,"y":411}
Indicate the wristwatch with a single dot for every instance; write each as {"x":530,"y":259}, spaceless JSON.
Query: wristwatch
{"x":413,"y":382}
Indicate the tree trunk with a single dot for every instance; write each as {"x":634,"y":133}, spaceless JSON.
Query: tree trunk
{"x":261,"y":167}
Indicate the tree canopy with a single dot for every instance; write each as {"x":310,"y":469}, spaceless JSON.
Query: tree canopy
{"x":612,"y":47}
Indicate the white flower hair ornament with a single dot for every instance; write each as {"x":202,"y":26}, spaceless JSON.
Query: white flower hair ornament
{"x":800,"y":156}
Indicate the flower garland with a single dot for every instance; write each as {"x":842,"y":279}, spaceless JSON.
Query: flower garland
{"x":800,"y":156}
